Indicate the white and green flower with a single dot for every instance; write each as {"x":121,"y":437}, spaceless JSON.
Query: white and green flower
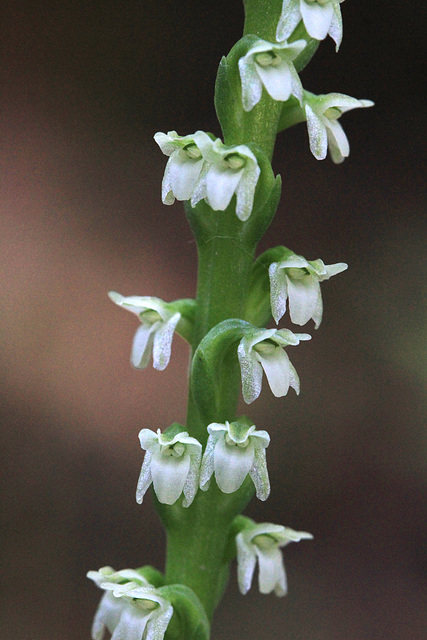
{"x":185,"y":165}
{"x":298,"y":280}
{"x":263,"y":350}
{"x":324,"y":130}
{"x":154,"y":336}
{"x":270,"y":65}
{"x":131,"y":609}
{"x":230,"y":170}
{"x":263,"y":542}
{"x":172,"y":464}
{"x":320,"y":17}
{"x":232,"y":452}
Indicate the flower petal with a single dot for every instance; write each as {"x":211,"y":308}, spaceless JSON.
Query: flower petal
{"x":145,"y":478}
{"x":271,"y":576}
{"x":163,"y":342}
{"x":182,"y":175}
{"x":207,"y":466}
{"x":335,"y":29}
{"x":221,"y":184}
{"x":317,"y":18}
{"x":317,"y":135}
{"x":232,"y":464}
{"x":339,"y":147}
{"x":259,"y":475}
{"x":169,"y":475}
{"x":277,"y":80}
{"x":142,"y":345}
{"x":289,"y":18}
{"x":251,"y":82}
{"x":246,"y":561}
{"x":303,"y":297}
{"x":245,"y":191}
{"x":278,"y":290}
{"x":276,"y":368}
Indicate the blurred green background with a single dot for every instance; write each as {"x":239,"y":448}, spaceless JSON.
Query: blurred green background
{"x":84,"y":86}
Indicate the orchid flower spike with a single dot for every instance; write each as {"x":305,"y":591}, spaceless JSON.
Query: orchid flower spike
{"x":263,"y":350}
{"x":230,"y":171}
{"x":299,"y":279}
{"x":131,"y":609}
{"x":263,"y":542}
{"x":158,"y":323}
{"x":185,"y":165}
{"x":171,"y":463}
{"x":320,"y":17}
{"x":233,"y":451}
{"x":270,"y":65}
{"x":324,"y":130}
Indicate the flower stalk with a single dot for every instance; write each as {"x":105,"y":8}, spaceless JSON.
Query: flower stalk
{"x":204,"y":473}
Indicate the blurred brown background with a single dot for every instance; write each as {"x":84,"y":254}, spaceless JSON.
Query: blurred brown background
{"x":84,"y":86}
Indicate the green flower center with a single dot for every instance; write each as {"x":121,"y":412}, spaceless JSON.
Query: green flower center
{"x":321,"y":2}
{"x":234,"y":161}
{"x":333,"y":113}
{"x":264,"y":541}
{"x":150,"y":316}
{"x":175,"y":450}
{"x":145,"y":605}
{"x":231,"y":443}
{"x":265,"y":347}
{"x":192,"y":151}
{"x":268,"y":59}
{"x":295,"y":273}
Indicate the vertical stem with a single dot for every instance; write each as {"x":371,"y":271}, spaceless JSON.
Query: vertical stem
{"x":197,"y":536}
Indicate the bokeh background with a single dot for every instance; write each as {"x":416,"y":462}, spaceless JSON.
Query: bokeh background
{"x":84,"y":86}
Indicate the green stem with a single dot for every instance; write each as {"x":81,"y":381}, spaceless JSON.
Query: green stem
{"x":197,"y":537}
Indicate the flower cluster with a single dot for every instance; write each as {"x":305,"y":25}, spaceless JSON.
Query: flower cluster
{"x":202,"y":168}
{"x":131,"y":608}
{"x":173,"y":461}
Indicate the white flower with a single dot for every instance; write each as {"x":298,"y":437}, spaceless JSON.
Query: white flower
{"x":262,"y":542}
{"x":324,"y":130}
{"x":262,"y":349}
{"x":270,"y":65}
{"x":320,"y":17}
{"x":131,"y":609}
{"x":230,"y":171}
{"x":185,"y":164}
{"x":172,"y":464}
{"x":233,"y":451}
{"x":158,"y":323}
{"x":299,"y":279}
